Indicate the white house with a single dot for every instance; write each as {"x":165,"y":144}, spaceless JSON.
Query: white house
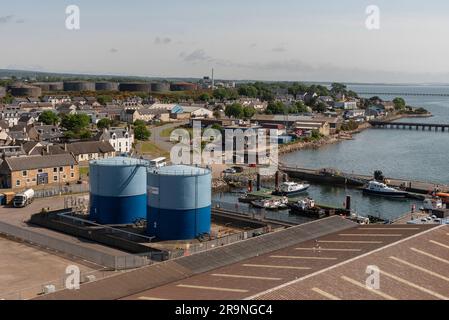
{"x":121,"y":139}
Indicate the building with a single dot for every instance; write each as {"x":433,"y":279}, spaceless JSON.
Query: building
{"x":196,"y":112}
{"x":55,"y":100}
{"x":131,"y":115}
{"x":121,"y":139}
{"x":30,"y":171}
{"x":346,"y":105}
{"x":89,"y":150}
{"x":322,"y":127}
{"x":41,"y":132}
{"x":354,"y":114}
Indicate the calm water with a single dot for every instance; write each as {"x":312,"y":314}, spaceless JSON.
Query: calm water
{"x":408,"y":154}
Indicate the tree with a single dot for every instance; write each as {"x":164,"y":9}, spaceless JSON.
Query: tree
{"x":319,"y":107}
{"x":300,"y":107}
{"x":276,"y":108}
{"x":141,"y":132}
{"x":204,"y":97}
{"x":337,"y":88}
{"x":49,"y":118}
{"x":248,"y":91}
{"x":234,"y":110}
{"x":296,"y":89}
{"x":399,"y":104}
{"x":75,"y":122}
{"x":221,"y":94}
{"x":248,"y":112}
{"x":104,"y":124}
{"x":139,"y":123}
{"x":104,"y":99}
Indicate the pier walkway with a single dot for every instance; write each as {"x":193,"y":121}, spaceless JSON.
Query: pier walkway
{"x":410,"y":125}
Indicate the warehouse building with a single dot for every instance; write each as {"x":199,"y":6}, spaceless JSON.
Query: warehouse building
{"x":29,"y":171}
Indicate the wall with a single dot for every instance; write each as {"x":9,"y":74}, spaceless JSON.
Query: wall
{"x":27,"y":181}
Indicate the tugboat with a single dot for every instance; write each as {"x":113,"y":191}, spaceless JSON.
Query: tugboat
{"x":381,"y":189}
{"x":291,"y":189}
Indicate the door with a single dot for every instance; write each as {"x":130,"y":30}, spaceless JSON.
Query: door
{"x":42,"y":178}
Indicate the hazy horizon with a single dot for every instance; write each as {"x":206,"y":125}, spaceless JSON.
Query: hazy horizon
{"x":252,"y":40}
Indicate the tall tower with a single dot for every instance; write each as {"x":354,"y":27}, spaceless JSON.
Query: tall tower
{"x":213,"y":79}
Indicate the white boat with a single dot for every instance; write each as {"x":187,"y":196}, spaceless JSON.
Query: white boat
{"x":433,"y":204}
{"x":381,"y":189}
{"x":270,"y":204}
{"x":291,"y":188}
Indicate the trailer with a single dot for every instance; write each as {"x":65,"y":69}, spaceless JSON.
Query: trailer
{"x":24,"y":198}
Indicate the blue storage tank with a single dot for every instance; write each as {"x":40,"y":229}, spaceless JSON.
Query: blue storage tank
{"x":179,"y":202}
{"x":118,"y":190}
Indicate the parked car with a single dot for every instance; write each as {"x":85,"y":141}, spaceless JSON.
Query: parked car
{"x":237,"y":169}
{"x":230,"y":171}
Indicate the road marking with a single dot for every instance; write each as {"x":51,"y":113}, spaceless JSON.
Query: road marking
{"x":430,"y":255}
{"x":413,"y":285}
{"x":149,"y":298}
{"x":275,"y":267}
{"x":388,"y":229}
{"x":325,"y":294}
{"x":439,"y":244}
{"x":244,"y":277}
{"x":305,"y":258}
{"x":343,"y":263}
{"x":420,"y":268}
{"x":211,"y":288}
{"x":329,"y":249}
{"x":349,"y":241}
{"x":363,"y":286}
{"x":369,"y":235}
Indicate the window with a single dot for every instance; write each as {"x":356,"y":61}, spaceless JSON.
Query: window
{"x":55,"y":169}
{"x":72,"y":175}
{"x":61,"y":169}
{"x":64,"y":176}
{"x":24,"y":173}
{"x":28,"y":180}
{"x":71,"y":167}
{"x":18,"y":183}
{"x":40,"y":171}
{"x":55,"y":178}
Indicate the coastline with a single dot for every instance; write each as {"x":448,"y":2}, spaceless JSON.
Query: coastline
{"x":339,"y":137}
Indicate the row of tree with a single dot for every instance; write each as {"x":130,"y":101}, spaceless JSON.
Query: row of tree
{"x":77,"y":126}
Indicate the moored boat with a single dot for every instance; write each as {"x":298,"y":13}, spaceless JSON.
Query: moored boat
{"x":291,"y":189}
{"x":381,"y":189}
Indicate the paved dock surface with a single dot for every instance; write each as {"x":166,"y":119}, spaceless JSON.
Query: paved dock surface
{"x":413,"y":269}
{"x":253,"y":277}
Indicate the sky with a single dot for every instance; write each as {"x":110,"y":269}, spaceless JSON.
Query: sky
{"x":291,"y":40}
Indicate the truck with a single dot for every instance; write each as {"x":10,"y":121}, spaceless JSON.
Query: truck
{"x":24,"y":198}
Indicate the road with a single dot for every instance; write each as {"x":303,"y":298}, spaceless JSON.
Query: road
{"x":163,"y":142}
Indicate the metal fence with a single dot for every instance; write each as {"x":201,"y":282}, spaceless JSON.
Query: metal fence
{"x":61,"y":245}
{"x":61,"y":190}
{"x":216,"y":243}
